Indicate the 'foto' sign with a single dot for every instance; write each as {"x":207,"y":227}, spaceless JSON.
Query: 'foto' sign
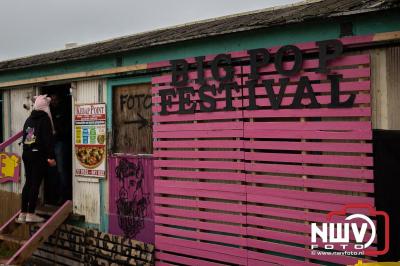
{"x":10,"y":167}
{"x":90,"y":140}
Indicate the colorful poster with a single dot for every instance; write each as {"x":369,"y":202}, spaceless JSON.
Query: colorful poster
{"x":10,"y":167}
{"x":90,"y":140}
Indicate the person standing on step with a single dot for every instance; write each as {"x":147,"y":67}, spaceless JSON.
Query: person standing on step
{"x":37,"y":155}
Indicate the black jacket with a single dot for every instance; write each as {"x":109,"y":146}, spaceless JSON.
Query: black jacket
{"x":38,"y":135}
{"x":59,"y":117}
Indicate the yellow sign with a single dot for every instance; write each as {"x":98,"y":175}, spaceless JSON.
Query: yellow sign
{"x":10,"y":167}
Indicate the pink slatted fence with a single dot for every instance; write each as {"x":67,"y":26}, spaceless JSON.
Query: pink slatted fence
{"x":241,"y":187}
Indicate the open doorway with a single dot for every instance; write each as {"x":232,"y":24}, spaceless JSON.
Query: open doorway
{"x":58,"y":183}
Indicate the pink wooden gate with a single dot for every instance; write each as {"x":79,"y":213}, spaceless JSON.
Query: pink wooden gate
{"x":242,"y":187}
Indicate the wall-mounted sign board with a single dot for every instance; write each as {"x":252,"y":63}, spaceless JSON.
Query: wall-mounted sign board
{"x":90,"y":140}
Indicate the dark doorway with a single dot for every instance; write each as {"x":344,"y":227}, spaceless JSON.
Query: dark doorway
{"x":387,"y":172}
{"x":58,"y":183}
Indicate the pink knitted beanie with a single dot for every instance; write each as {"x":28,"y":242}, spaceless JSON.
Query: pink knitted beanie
{"x":42,"y":103}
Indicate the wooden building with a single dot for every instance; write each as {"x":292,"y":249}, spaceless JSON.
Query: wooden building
{"x":222,"y":172}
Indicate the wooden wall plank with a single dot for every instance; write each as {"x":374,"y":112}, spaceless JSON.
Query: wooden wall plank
{"x":132,"y":118}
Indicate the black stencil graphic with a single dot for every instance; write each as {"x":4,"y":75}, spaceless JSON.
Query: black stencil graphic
{"x":132,"y":202}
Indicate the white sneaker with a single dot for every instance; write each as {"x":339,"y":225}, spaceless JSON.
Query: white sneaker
{"x":33,"y":218}
{"x":21,"y":218}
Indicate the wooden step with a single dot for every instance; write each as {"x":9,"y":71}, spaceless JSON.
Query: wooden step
{"x":12,"y":239}
{"x":43,"y":232}
{"x":46,"y":210}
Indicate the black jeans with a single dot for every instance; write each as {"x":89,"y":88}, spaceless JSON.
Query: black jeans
{"x":35,"y":170}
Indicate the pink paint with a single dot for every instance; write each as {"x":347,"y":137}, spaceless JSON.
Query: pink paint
{"x":10,"y":140}
{"x":229,"y":218}
{"x":201,"y":246}
{"x":308,"y":195}
{"x":226,"y":228}
{"x":311,"y":183}
{"x":237,"y":103}
{"x":209,"y":126}
{"x":310,"y":170}
{"x":345,"y":86}
{"x":283,"y":156}
{"x":11,"y":162}
{"x":158,"y":64}
{"x":287,"y":101}
{"x":282,"y":236}
{"x":309,"y":146}
{"x":308,"y":134}
{"x":198,"y":116}
{"x":206,"y":254}
{"x":186,"y":260}
{"x":200,"y":154}
{"x":314,"y":63}
{"x":199,"y":175}
{"x":239,"y":208}
{"x":322,"y":112}
{"x":199,"y":144}
{"x":278,"y":224}
{"x":233,"y":240}
{"x":199,"y":134}
{"x":200,"y":164}
{"x":131,"y":188}
{"x":308,"y":158}
{"x":225,"y":195}
{"x":201,"y":185}
{"x":342,"y":126}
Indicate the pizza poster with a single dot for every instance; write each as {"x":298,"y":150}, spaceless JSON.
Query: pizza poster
{"x":90,"y":140}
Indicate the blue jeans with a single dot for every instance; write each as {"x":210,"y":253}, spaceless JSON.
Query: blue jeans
{"x":59,"y":150}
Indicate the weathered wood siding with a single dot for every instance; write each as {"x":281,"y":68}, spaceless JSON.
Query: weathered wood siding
{"x":385,"y":73}
{"x":86,"y":191}
{"x":14,"y":118}
{"x":132,"y":119}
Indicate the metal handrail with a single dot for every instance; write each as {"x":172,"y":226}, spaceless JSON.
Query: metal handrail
{"x":9,"y":141}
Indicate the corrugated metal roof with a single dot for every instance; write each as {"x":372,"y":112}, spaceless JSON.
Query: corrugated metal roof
{"x":303,"y":11}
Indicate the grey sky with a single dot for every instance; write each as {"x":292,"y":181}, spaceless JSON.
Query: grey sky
{"x":34,"y":26}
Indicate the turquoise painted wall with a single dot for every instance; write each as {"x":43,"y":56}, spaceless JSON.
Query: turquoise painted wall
{"x":304,"y":32}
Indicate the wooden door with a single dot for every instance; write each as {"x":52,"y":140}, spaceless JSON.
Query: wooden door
{"x":132,"y":132}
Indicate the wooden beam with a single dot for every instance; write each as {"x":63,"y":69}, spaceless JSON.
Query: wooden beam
{"x":12,"y":239}
{"x":386,"y":36}
{"x":379,"y":89}
{"x":77,"y":75}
